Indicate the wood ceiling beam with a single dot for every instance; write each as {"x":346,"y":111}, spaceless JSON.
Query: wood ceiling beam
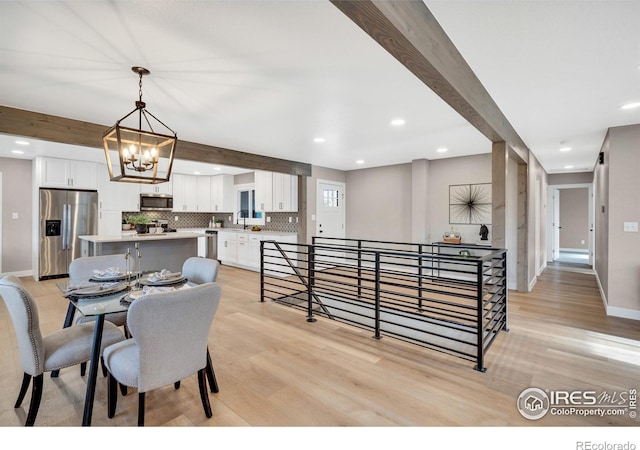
{"x":412,"y":35}
{"x":19,"y":122}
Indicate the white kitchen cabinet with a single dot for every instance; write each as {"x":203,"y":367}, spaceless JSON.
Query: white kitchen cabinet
{"x":228,"y":247}
{"x":116,"y":196}
{"x":203,"y":194}
{"x":285,"y":192}
{"x":243,"y":258}
{"x":263,"y":182}
{"x":160,"y":188}
{"x":276,"y":192}
{"x":65,"y":173}
{"x":184,"y":193}
{"x":242,"y":249}
{"x":110,"y":223}
{"x":254,"y":249}
{"x":222,"y":193}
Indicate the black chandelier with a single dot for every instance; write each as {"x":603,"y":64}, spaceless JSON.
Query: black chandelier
{"x":138,"y":155}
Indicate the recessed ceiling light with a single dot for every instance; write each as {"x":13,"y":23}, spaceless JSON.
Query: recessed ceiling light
{"x":22,"y":143}
{"x":17,"y":152}
{"x":360,"y":161}
{"x":565,"y":149}
{"x":441,"y":150}
{"x":630,"y":105}
{"x":217,"y":168}
{"x":319,"y":140}
{"x":568,"y":167}
{"x":196,"y":172}
{"x":397,"y":122}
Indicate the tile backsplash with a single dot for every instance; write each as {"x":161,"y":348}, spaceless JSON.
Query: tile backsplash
{"x":278,"y":221}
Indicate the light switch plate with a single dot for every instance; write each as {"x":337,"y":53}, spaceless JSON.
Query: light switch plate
{"x":631,"y":227}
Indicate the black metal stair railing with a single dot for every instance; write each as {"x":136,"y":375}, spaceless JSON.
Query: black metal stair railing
{"x":427,"y":294}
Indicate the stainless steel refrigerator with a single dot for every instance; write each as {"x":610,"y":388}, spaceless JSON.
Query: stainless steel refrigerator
{"x":64,"y":215}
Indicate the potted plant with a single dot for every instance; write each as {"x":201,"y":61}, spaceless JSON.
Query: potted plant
{"x":219,"y":223}
{"x":139,"y":222}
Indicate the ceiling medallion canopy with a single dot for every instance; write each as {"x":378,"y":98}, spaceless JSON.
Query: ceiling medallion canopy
{"x":137,"y":155}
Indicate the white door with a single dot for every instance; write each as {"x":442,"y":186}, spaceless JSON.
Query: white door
{"x":330,"y":218}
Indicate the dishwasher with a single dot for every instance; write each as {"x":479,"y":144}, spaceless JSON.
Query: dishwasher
{"x":212,"y":244}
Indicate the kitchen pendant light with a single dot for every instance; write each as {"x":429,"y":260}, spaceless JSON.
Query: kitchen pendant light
{"x":136,"y":155}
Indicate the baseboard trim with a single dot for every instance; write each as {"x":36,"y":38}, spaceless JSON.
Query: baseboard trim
{"x":20,"y":274}
{"x":603,"y":297}
{"x":532,"y":283}
{"x":624,"y":313}
{"x":616,"y":311}
{"x":575,"y":250}
{"x":541,"y":269}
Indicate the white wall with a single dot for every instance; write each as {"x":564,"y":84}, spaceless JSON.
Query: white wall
{"x":623,"y":259}
{"x":451,"y":171}
{"x":382,"y":201}
{"x":379,"y":203}
{"x":16,"y":233}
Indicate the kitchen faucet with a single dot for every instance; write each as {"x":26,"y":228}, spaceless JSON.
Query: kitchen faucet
{"x":244,"y":219}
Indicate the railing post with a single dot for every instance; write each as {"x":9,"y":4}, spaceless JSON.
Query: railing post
{"x":480,"y":325}
{"x":377,"y":300}
{"x":262,"y":271}
{"x":359,"y":268}
{"x":420,"y":277}
{"x":311,"y":282}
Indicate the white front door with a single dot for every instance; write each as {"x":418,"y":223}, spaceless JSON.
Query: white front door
{"x":330,"y":220}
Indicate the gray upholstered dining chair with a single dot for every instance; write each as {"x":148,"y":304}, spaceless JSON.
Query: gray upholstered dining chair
{"x":169,"y":339}
{"x":38,"y":354}
{"x":81,"y":269}
{"x":199,"y":270}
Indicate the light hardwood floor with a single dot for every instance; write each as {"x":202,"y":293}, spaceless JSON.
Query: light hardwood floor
{"x":275,"y":369}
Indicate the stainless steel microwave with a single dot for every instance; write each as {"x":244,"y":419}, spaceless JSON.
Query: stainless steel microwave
{"x":156,"y":202}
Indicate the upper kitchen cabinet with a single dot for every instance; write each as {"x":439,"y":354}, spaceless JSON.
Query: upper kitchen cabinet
{"x":184,"y":193}
{"x":276,"y":192}
{"x":116,"y":196}
{"x":264,"y":190}
{"x":160,"y":188}
{"x":222,"y":193}
{"x":285,"y":192}
{"x":64,"y":173}
{"x":191,"y":193}
{"x":203,"y":194}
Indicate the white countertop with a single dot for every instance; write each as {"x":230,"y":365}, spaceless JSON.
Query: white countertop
{"x":131,"y":237}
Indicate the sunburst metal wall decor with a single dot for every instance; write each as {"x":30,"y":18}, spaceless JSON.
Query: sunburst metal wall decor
{"x":470,"y":204}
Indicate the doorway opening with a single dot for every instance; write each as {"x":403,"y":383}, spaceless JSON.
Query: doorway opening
{"x":571,"y":226}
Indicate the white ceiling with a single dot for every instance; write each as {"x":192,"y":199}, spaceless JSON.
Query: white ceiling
{"x":268,"y":77}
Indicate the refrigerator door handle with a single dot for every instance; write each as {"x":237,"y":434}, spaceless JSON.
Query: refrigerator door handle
{"x":68,"y":221}
{"x":64,"y":226}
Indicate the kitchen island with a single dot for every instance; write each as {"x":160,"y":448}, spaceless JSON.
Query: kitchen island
{"x":158,"y":250}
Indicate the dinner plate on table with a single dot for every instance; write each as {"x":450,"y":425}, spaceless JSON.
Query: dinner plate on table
{"x":113,"y":277}
{"x":129,"y":297}
{"x":150,"y":281}
{"x":99,"y":290}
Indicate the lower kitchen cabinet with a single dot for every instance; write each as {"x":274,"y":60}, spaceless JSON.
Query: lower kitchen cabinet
{"x":242,"y":248}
